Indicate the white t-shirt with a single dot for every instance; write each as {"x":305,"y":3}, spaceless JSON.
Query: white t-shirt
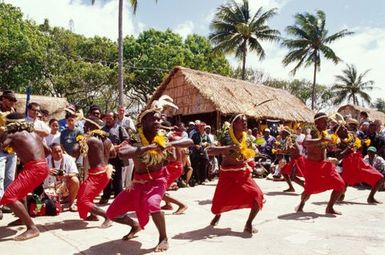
{"x":299,"y":140}
{"x":50,"y":139}
{"x":68,"y":165}
{"x":127,"y":122}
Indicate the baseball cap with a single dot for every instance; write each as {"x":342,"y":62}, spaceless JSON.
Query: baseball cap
{"x":267,"y":130}
{"x":372,"y":149}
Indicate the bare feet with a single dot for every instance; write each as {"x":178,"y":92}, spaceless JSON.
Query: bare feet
{"x":135,"y":229}
{"x":106,"y":224}
{"x":332,"y":211}
{"x":17,"y":222}
{"x":372,"y":200}
{"x":250,"y":229}
{"x":180,"y":210}
{"x":92,"y":217}
{"x":289,"y":190}
{"x":166,"y":207}
{"x":28,"y":234}
{"x":215,"y":220}
{"x":162,"y":245}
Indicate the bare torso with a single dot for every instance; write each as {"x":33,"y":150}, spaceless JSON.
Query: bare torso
{"x":28,"y":146}
{"x":98,"y":152}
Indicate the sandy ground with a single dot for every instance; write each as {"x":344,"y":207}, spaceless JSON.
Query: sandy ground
{"x":360,"y":230}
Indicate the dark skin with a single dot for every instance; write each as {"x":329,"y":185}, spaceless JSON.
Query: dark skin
{"x":294,"y":153}
{"x":317,"y":152}
{"x":99,"y":152}
{"x":29,"y":147}
{"x":239,"y":126}
{"x":150,"y":124}
{"x":179,"y":157}
{"x":343,"y":134}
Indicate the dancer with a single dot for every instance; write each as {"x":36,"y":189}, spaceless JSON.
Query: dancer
{"x":97,"y":149}
{"x":18,"y":136}
{"x":355,"y":170}
{"x":293,"y":169}
{"x":320,"y":174}
{"x":236,"y":189}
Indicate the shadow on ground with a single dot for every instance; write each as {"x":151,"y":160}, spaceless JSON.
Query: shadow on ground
{"x":116,"y":247}
{"x":342,"y":203}
{"x":209,"y":232}
{"x":66,"y":225}
{"x":6,"y":232}
{"x":204,"y":202}
{"x":304,"y":216}
{"x":281,"y":193}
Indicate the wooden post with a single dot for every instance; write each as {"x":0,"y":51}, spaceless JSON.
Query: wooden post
{"x":218,"y":120}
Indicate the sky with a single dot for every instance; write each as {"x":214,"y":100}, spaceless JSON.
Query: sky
{"x":365,"y":48}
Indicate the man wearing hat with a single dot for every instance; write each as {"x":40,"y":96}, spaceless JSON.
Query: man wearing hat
{"x":7,"y":161}
{"x":375,"y":160}
{"x":268,"y":146}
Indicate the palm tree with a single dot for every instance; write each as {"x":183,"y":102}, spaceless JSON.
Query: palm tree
{"x":134,"y":5}
{"x":350,"y":85}
{"x":310,"y":41}
{"x":235,"y":29}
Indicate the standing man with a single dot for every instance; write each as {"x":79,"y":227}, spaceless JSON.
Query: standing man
{"x":118,"y":136}
{"x":40,"y":127}
{"x":69,"y":134}
{"x":7,"y":160}
{"x":236,"y":188}
{"x":320,"y":174}
{"x":198,"y":156}
{"x":125,"y":121}
{"x":19,"y":136}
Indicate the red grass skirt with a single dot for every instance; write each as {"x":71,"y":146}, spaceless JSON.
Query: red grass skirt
{"x":175,"y":170}
{"x":298,"y":163}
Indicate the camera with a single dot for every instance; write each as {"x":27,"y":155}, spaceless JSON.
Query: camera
{"x":60,"y":172}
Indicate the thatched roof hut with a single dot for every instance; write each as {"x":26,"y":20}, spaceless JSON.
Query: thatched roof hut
{"x":54,"y":105}
{"x":354,"y":112}
{"x":198,"y":93}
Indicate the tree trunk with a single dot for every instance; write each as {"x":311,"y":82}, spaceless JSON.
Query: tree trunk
{"x":120,"y":54}
{"x":244,"y":61}
{"x":314,"y":81}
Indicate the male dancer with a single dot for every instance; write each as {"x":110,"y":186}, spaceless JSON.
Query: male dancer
{"x":236,"y":189}
{"x":97,"y":148}
{"x":320,"y":174}
{"x":150,"y":179}
{"x":20,"y":138}
{"x":293,"y":169}
{"x":355,"y":170}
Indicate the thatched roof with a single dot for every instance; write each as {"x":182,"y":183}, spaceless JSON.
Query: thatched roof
{"x":354,"y":111}
{"x":54,"y":105}
{"x":197,"y":92}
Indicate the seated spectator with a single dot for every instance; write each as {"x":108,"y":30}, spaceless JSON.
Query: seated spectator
{"x":62,"y":179}
{"x":54,"y":135}
{"x":375,"y":160}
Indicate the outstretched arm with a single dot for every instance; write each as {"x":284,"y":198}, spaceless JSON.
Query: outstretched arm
{"x":221,"y":150}
{"x":128,"y":151}
{"x":182,"y":143}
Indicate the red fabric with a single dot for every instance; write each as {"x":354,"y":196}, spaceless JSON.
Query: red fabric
{"x":235,"y":190}
{"x":175,"y":170}
{"x":32,"y":175}
{"x":89,"y":189}
{"x":142,"y":198}
{"x":355,"y":171}
{"x":321,"y":176}
{"x":298,"y":163}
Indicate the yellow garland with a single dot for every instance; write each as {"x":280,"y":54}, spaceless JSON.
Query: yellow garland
{"x":367,"y":142}
{"x":153,"y":157}
{"x":246,"y":152}
{"x":8,"y":149}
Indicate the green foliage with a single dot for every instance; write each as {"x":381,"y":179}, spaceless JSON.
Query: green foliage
{"x":351,"y":85}
{"x":237,"y":30}
{"x":61,"y":63}
{"x":379,"y":104}
{"x":22,"y":51}
{"x":310,"y":40}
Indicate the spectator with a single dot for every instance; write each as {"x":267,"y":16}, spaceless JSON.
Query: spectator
{"x":375,"y":160}
{"x":41,"y":128}
{"x":191,"y":128}
{"x":199,"y":158}
{"x":54,"y":135}
{"x":44,"y":115}
{"x":69,"y":134}
{"x":268,"y":146}
{"x":299,"y":140}
{"x":118,"y":136}
{"x":364,"y":117}
{"x":125,"y":121}
{"x":62,"y":179}
{"x":95,"y":111}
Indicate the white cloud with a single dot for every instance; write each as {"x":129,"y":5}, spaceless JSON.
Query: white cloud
{"x":266,"y":4}
{"x":185,"y":29}
{"x":88,"y":20}
{"x":365,"y":49}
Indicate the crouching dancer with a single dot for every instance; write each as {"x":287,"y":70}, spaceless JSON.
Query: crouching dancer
{"x":150,"y":179}
{"x":96,"y":149}
{"x":236,"y":189}
{"x":19,"y":136}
